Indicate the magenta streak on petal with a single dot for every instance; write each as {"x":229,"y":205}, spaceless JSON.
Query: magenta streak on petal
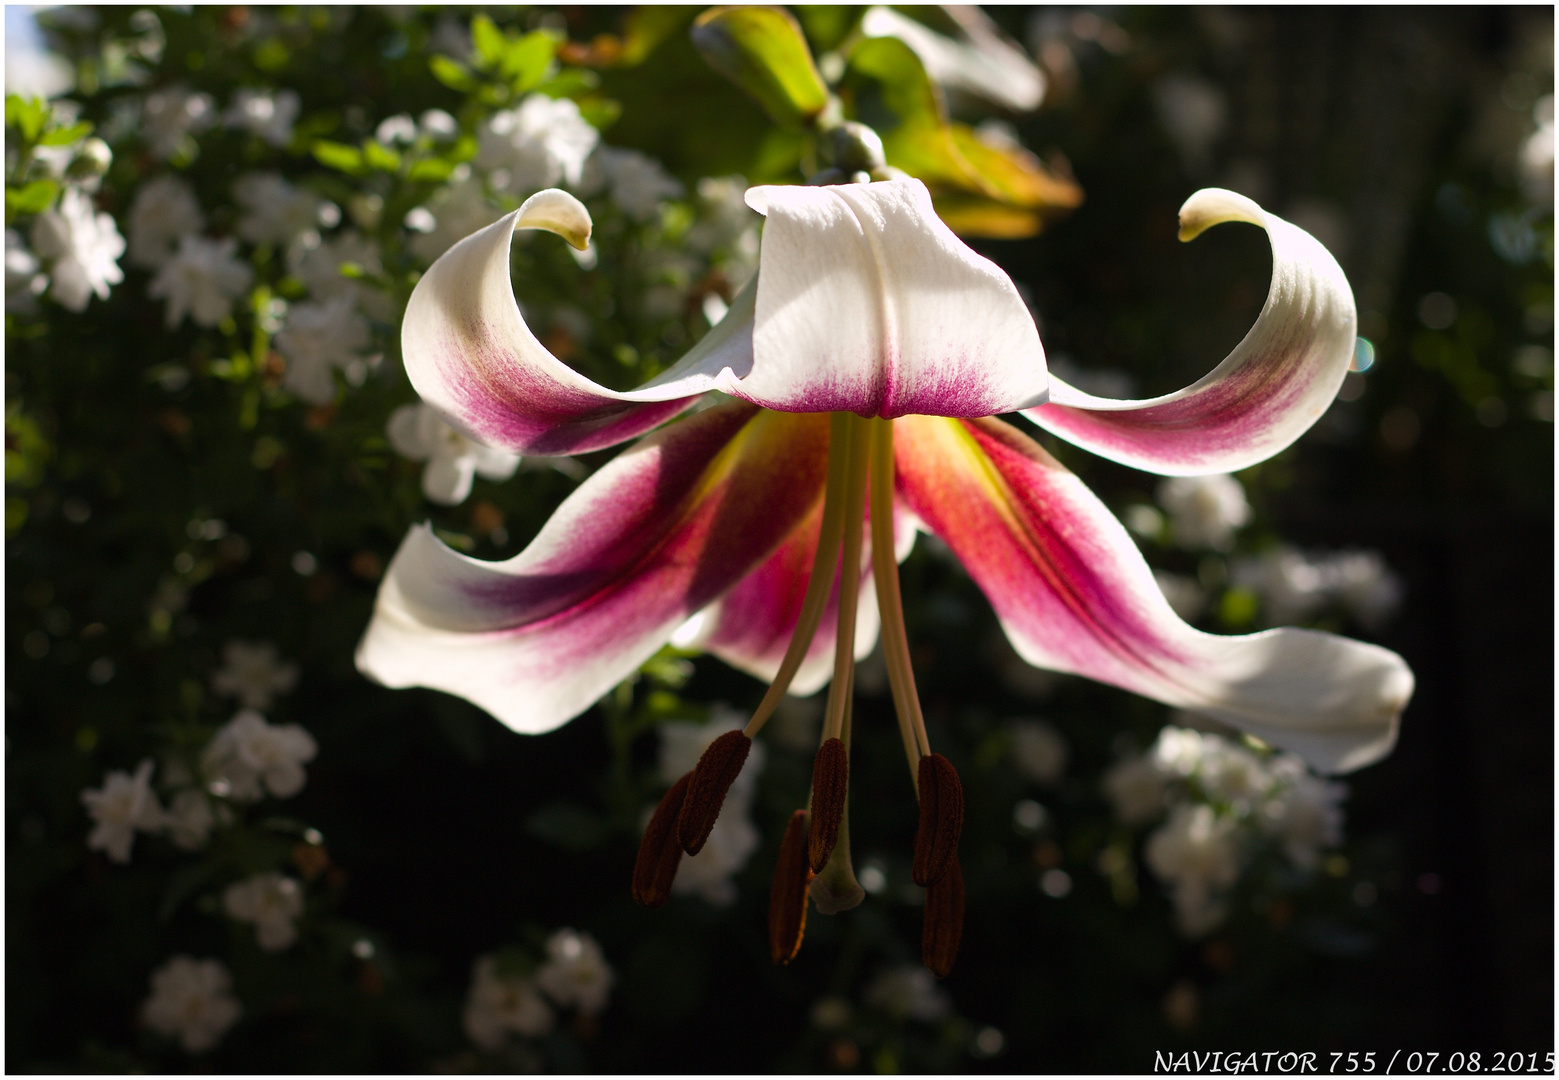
{"x":1039,"y":545}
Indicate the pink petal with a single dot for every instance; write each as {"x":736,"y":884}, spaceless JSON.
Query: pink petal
{"x":470,"y":355}
{"x":1074,"y":594}
{"x":1264,"y":395}
{"x":867,"y":303}
{"x":750,"y":627}
{"x":654,"y":536}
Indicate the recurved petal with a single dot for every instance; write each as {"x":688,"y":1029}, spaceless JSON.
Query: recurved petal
{"x":750,"y":627}
{"x":655,"y":535}
{"x":1264,"y":395}
{"x":867,"y":303}
{"x":470,"y":355}
{"x":1074,"y":594}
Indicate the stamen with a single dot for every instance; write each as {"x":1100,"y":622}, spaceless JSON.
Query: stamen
{"x":788,"y":894}
{"x":830,"y":781}
{"x":821,"y":580}
{"x":849,"y":576}
{"x":890,"y":603}
{"x":710,"y":780}
{"x":660,"y":851}
{"x":941,"y":820}
{"x":943,"y":930}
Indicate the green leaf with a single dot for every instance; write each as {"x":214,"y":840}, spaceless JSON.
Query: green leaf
{"x":378,"y":156}
{"x":334,"y":155}
{"x":526,"y":61}
{"x":829,"y":24}
{"x":452,"y":74}
{"x":488,"y":40}
{"x":762,"y":50}
{"x":66,"y":136}
{"x":434,"y":169}
{"x":570,"y":82}
{"x":600,"y":113}
{"x":26,"y":115}
{"x":646,"y":26}
{"x":34,"y":198}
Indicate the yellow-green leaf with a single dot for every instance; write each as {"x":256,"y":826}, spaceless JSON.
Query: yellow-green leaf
{"x":1016,"y":175}
{"x":334,"y":155}
{"x":488,"y":40}
{"x":381,"y":157}
{"x":66,"y":135}
{"x":526,"y":61}
{"x":452,"y":74}
{"x":762,"y":50}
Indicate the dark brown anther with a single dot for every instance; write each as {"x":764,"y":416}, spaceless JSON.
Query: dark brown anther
{"x":788,"y":894}
{"x":660,"y":851}
{"x":712,"y":778}
{"x":944,"y":927}
{"x":941,"y":820}
{"x":830,"y":780}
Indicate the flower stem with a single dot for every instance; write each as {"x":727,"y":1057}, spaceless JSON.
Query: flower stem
{"x":828,"y":537}
{"x":895,"y":642}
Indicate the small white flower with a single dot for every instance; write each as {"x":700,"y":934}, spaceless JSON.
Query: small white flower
{"x":261,"y":113}
{"x":275,"y":211}
{"x":438,"y":125}
{"x":636,"y":182}
{"x":457,"y":212}
{"x":540,"y":144}
{"x":168,"y":115}
{"x":1178,"y":751}
{"x":248,"y":756}
{"x":164,"y":212}
{"x":497,"y":1006}
{"x":419,"y":433}
{"x":192,"y":999}
{"x":1305,"y":812}
{"x":575,"y":974}
{"x":1196,"y":852}
{"x":122,"y":805}
{"x":909,"y":991}
{"x":23,"y":280}
{"x":271,"y":901}
{"x":317,"y":339}
{"x":81,"y":247}
{"x":1204,"y":511}
{"x":1232,"y":774}
{"x":189,"y":820}
{"x":1535,"y":161}
{"x":201,"y":281}
{"x":1136,"y":788}
{"x":396,"y":129}
{"x":253,"y":672}
{"x":1038,"y":750}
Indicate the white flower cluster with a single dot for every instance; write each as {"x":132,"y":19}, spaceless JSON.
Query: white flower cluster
{"x":708,"y":874}
{"x":1223,"y":800}
{"x":253,"y":672}
{"x":249,"y":758}
{"x":575,"y":975}
{"x":271,"y":901}
{"x":454,"y":460}
{"x":1204,"y":511}
{"x":192,"y":1001}
{"x":1294,"y":586}
{"x":81,"y":247}
{"x":198,"y":276}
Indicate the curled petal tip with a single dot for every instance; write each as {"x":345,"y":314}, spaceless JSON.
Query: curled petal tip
{"x":1214,"y":206}
{"x":557,"y":211}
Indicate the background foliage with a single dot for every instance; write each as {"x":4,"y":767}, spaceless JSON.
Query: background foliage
{"x":166,"y":494}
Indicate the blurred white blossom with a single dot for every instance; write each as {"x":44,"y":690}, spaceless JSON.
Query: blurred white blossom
{"x":272,"y":902}
{"x":165,"y":211}
{"x":1535,"y":163}
{"x":81,"y":248}
{"x":270,"y":116}
{"x":400,"y":128}
{"x":438,"y":125}
{"x":1137,"y":789}
{"x":248,"y":757}
{"x":24,"y":281}
{"x":1196,"y":852}
{"x":318,"y":339}
{"x":635,"y":182}
{"x":1294,"y":586}
{"x":540,"y":144}
{"x":201,"y":281}
{"x":576,"y":974}
{"x":253,"y":672}
{"x":909,"y":992}
{"x":457,"y":212}
{"x":319,"y":268}
{"x":189,"y":820}
{"x":498,"y":1005}
{"x":1038,"y":750}
{"x":193,"y":1001}
{"x":419,"y":433}
{"x":1303,"y":812}
{"x":274,"y":211}
{"x":122,"y":805}
{"x":168,"y":115}
{"x":1204,"y":511}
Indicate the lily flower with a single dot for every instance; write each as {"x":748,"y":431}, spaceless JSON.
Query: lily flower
{"x":848,"y":398}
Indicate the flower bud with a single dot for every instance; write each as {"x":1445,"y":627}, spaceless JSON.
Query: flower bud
{"x":855,"y":147}
{"x":92,"y":158}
